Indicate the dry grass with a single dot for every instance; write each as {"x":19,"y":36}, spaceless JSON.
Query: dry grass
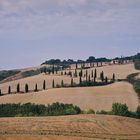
{"x":98,"y":98}
{"x":121,"y":72}
{"x":80,"y":127}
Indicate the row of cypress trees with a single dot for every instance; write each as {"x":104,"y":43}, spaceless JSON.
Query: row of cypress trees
{"x":89,"y":78}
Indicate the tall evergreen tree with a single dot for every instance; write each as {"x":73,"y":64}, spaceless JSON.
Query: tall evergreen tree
{"x":95,"y":73}
{"x":102,"y":76}
{"x":62,"y":83}
{"x":106,"y":80}
{"x":86,"y":75}
{"x":18,"y":88}
{"x":75,"y":74}
{"x":44,"y":85}
{"x":36,"y":88}
{"x":26,"y":88}
{"x":113,"y":78}
{"x":53,"y":84}
{"x":61,"y":72}
{"x":76,"y":65}
{"x":9,"y":90}
{"x":81,"y":73}
{"x":53,"y":69}
{"x":89,"y":78}
{"x":80,"y":80}
{"x":92,"y":74}
{"x":71,"y":81}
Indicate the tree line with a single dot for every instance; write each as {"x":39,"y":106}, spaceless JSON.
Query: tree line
{"x":57,"y":109}
{"x":90,"y":80}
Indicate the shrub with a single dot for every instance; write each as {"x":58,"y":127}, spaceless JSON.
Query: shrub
{"x":138,"y":112}
{"x":102,"y":112}
{"x":89,"y":111}
{"x":12,"y":110}
{"x":120,"y":109}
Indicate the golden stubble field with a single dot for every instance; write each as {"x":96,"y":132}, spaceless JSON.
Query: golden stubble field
{"x":77,"y":127}
{"x":98,"y":98}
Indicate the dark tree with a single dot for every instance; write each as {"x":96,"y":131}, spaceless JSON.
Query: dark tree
{"x":113,"y":78}
{"x":62,"y":83}
{"x":106,"y":80}
{"x":36,"y":89}
{"x":102,"y":76}
{"x":92,"y":74}
{"x":61,"y":72}
{"x":76,"y":65}
{"x":44,"y":85}
{"x":53,"y":84}
{"x":0,"y":92}
{"x":71,"y":81}
{"x":75,"y":74}
{"x":89,"y":78}
{"x":95,"y":73}
{"x":80,"y":80}
{"x":9,"y":90}
{"x":81,"y":73}
{"x":26,"y":88}
{"x":86,"y":75}
{"x":18,"y":88}
{"x":53,"y":69}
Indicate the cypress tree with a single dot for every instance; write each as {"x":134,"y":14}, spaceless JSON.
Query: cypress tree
{"x":76,"y":66}
{"x":113,"y":78}
{"x":94,"y":78}
{"x":18,"y":88}
{"x":9,"y":90}
{"x":61,"y":72}
{"x":44,"y":85}
{"x":81,"y":73}
{"x":86,"y":75}
{"x":53,"y":69}
{"x":102,"y":76}
{"x":53,"y":84}
{"x":89,"y":78}
{"x":92,"y":75}
{"x":95,"y":73}
{"x":106,"y":80}
{"x":80,"y":81}
{"x":75,"y":74}
{"x":71,"y":81}
{"x":26,"y":88}
{"x":62,"y":83}
{"x":36,"y":89}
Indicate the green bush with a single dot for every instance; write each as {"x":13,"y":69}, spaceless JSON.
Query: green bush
{"x":120,"y":109}
{"x":18,"y":110}
{"x":102,"y":112}
{"x":89,"y":111}
{"x":138,"y":112}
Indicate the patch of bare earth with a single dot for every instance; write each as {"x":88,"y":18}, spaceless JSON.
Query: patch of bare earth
{"x":79,"y":127}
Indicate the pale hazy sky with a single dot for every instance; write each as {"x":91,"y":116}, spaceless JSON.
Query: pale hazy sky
{"x":32,"y":31}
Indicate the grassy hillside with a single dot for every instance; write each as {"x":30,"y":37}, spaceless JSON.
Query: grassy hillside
{"x":5,"y":74}
{"x":79,"y":127}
